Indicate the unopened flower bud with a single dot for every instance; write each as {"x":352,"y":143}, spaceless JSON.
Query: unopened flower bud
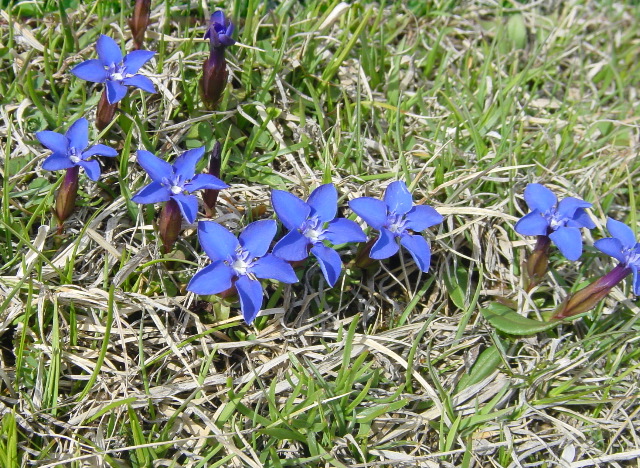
{"x":106,"y":111}
{"x":537,"y":264}
{"x":139,"y":21}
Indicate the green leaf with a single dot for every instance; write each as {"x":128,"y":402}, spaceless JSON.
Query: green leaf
{"x":509,"y":321}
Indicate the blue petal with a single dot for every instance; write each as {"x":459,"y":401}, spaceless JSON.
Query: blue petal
{"x":188,"y":206}
{"x":78,"y":134}
{"x":290,"y":209}
{"x":218,"y":17}
{"x":610,"y":246}
{"x":212,"y":279}
{"x":56,"y":162}
{"x":141,"y":82}
{"x":115,"y":91}
{"x":54,"y":141}
{"x":185,"y":164}
{"x":92,"y":168}
{"x":324,"y":202}
{"x":155,"y":167}
{"x":568,"y":206}
{"x":217,"y":241}
{"x":329,"y":262}
{"x":155,"y":192}
{"x":539,"y":197}
{"x":569,"y":242}
{"x":398,"y":198}
{"x":419,"y":249}
{"x":108,"y":51}
{"x":532,"y":224}
{"x":342,"y":230}
{"x":257,"y":236}
{"x":135,"y":59}
{"x":385,"y":246}
{"x":292,"y":247}
{"x":373,"y":211}
{"x":622,"y":232}
{"x":422,"y":217}
{"x":90,"y":70}
{"x":636,"y":280}
{"x":272,"y":267}
{"x":102,"y":150}
{"x":250,"y":294}
{"x":205,"y":181}
{"x":581,"y":219}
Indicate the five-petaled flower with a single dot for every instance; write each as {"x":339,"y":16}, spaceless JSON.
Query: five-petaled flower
{"x":624,"y":248}
{"x":395,"y":216}
{"x":114,"y":70}
{"x":240,"y":262}
{"x":561,"y":222}
{"x":220,"y":31}
{"x":175,"y":181}
{"x":311,"y":224}
{"x":71,"y":150}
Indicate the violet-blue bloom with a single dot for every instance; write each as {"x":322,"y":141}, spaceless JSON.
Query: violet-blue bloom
{"x":311,"y":224}
{"x":240,"y":262}
{"x":175,"y":181}
{"x":623,"y":247}
{"x":561,"y":222}
{"x":396,"y":217}
{"x":220,"y":30}
{"x":114,"y":70}
{"x":71,"y":150}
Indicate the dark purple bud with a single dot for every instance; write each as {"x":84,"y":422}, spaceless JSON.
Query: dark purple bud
{"x":538,"y":262}
{"x":214,"y":78}
{"x":139,"y":22}
{"x":210,"y":196}
{"x":589,"y":296}
{"x":169,"y":224}
{"x":66,"y":198}
{"x":106,"y":111}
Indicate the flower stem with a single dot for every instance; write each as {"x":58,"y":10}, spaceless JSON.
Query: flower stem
{"x":537,"y":263}
{"x":66,"y":198}
{"x":106,"y":112}
{"x":169,"y":224}
{"x":210,"y":196}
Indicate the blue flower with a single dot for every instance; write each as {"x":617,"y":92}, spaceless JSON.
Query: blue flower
{"x":623,"y":247}
{"x":311,"y":224}
{"x":395,"y":217}
{"x":117,"y":72}
{"x":561,"y":222}
{"x":70,"y":149}
{"x":175,"y":181}
{"x":239,"y":262}
{"x":220,"y":31}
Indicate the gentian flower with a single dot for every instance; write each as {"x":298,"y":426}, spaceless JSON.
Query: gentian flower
{"x":214,"y":68}
{"x":240,"y":262}
{"x":114,"y":70}
{"x":70,"y":149}
{"x":396,"y":217}
{"x":624,"y":248}
{"x":560,"y":222}
{"x":311,"y":224}
{"x":175,"y":182}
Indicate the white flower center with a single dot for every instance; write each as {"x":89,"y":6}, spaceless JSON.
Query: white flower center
{"x":396,"y":223}
{"x":555,"y":220}
{"x":175,"y":184}
{"x":631,"y":256}
{"x":118,"y":72}
{"x":74,"y":155}
{"x":240,"y":262}
{"x":312,"y":229}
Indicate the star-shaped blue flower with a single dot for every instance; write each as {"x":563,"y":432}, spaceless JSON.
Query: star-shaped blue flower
{"x":220,"y":30}
{"x":623,"y":247}
{"x":396,"y":217}
{"x":175,"y":181}
{"x":560,"y":221}
{"x":240,"y":262}
{"x":311,"y":224}
{"x":114,"y":70}
{"x":70,"y":149}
